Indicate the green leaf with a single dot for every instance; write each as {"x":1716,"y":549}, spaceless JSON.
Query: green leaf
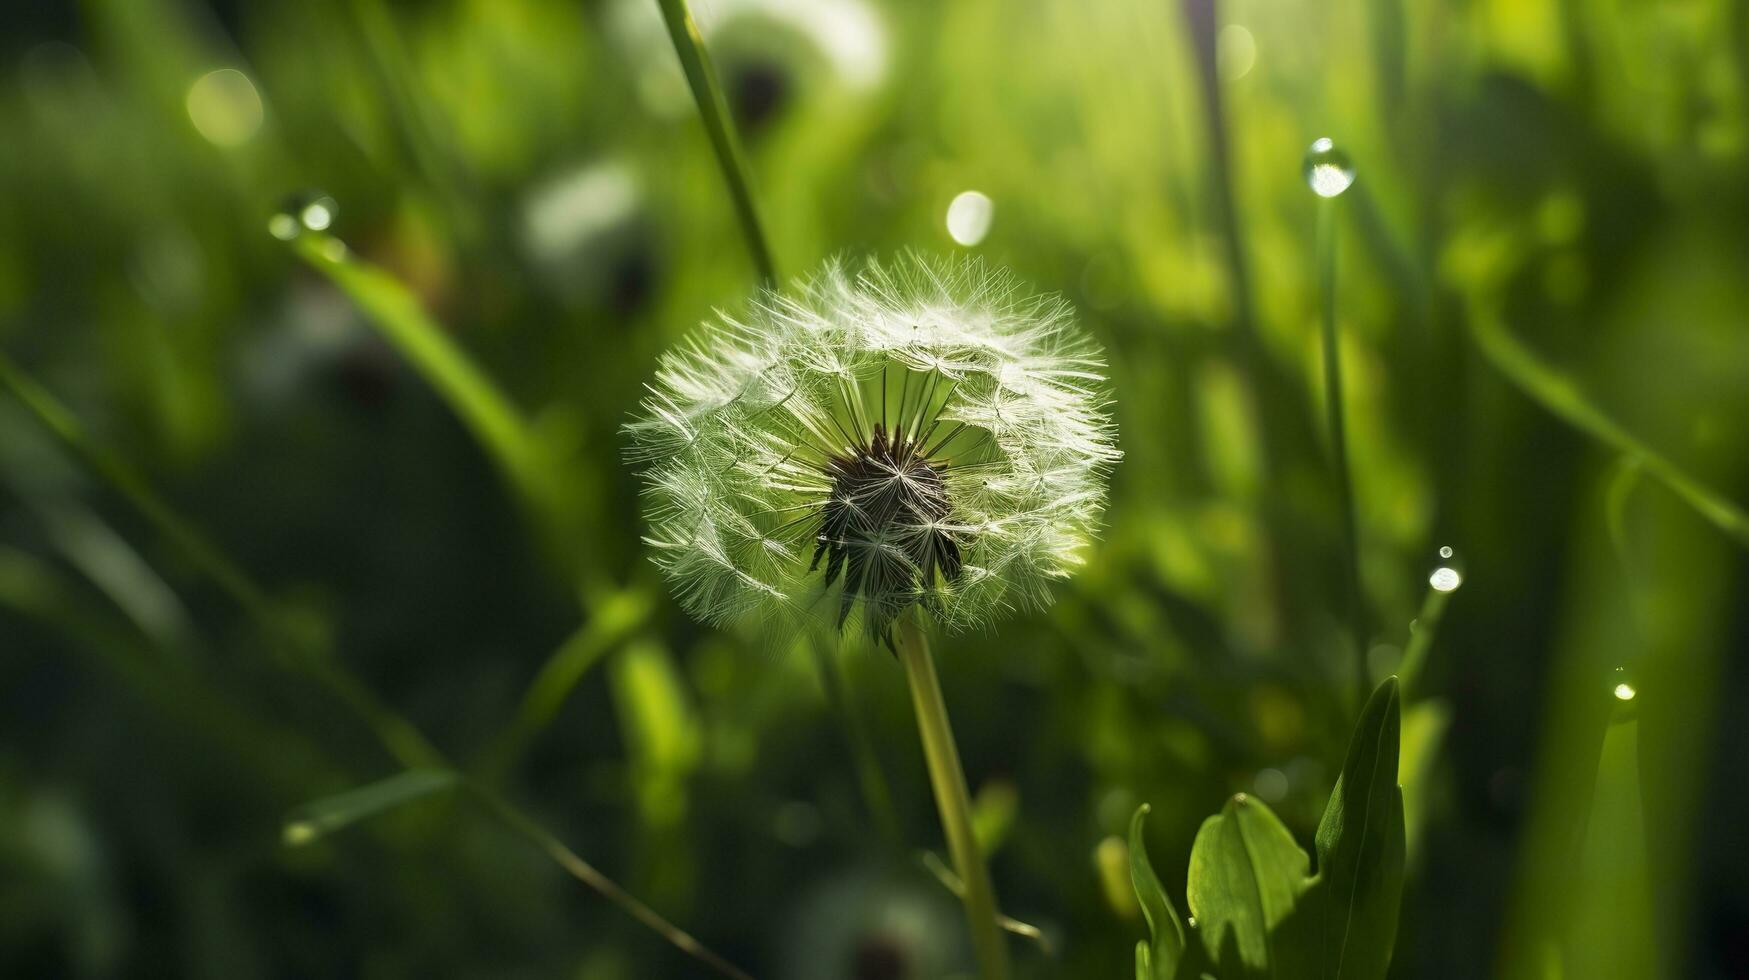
{"x":319,"y":818}
{"x":1165,"y":928}
{"x":1361,"y":848}
{"x":1246,"y":879}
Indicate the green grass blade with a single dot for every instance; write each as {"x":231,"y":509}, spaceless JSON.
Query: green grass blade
{"x":1165,"y":927}
{"x":1549,"y":388}
{"x":713,"y":109}
{"x":473,"y":396}
{"x":319,"y":818}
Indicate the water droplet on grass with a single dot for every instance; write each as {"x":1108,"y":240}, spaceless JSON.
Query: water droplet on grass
{"x":1445,"y":579}
{"x":1326,"y":168}
{"x":308,"y":211}
{"x":1445,"y":551}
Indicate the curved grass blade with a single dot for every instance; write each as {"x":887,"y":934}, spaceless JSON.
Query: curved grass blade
{"x":1561,"y":396}
{"x":319,"y":818}
{"x":713,"y":109}
{"x":1165,"y":928}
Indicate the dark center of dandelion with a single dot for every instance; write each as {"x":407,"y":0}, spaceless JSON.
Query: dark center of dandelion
{"x":884,"y":529}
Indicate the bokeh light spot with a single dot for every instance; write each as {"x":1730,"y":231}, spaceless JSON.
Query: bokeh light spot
{"x":969,"y":217}
{"x":224,"y":107}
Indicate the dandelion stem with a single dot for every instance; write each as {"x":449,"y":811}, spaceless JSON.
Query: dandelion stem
{"x":951,"y":797}
{"x":1337,"y":422}
{"x":714,"y":110}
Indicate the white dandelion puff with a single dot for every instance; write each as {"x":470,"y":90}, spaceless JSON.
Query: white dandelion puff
{"x":924,"y":435}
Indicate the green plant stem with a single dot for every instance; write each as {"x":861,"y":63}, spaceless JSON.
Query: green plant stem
{"x":713,"y":108}
{"x":1420,"y":642}
{"x":1338,"y":425}
{"x":951,"y":797}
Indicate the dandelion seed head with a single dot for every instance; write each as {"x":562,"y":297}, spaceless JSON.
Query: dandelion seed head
{"x":920,"y":435}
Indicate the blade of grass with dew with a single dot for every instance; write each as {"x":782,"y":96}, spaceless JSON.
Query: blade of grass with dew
{"x":1557,"y":393}
{"x":713,"y":110}
{"x":480,"y":404}
{"x":319,"y":818}
{"x":1421,"y":634}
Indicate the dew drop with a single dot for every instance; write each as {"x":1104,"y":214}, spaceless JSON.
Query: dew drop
{"x":1326,"y":168}
{"x":1191,"y":922}
{"x":307,"y":211}
{"x":1624,"y":689}
{"x":1445,"y":579}
{"x":1445,"y":551}
{"x":969,"y":217}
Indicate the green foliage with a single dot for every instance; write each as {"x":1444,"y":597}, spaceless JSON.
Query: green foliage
{"x":1257,"y":910}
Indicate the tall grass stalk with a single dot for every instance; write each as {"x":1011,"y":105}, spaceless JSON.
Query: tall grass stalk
{"x":1336,"y":419}
{"x":953,"y":800}
{"x":713,"y":109}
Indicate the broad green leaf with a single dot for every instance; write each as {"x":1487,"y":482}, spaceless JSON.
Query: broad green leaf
{"x":1361,"y":848}
{"x":1246,"y":878}
{"x":319,"y":818}
{"x":1165,"y":928}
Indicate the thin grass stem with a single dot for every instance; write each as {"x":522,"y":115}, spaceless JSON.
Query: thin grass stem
{"x":713,"y":109}
{"x":1421,"y":634}
{"x":583,"y":871}
{"x":952,"y":799}
{"x":1336,"y":419}
{"x":1558,"y":394}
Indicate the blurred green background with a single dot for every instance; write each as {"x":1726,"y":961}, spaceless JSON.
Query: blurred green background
{"x":1551,"y":212}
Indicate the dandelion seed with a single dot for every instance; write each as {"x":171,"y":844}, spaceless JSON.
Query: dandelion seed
{"x":919,"y":435}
